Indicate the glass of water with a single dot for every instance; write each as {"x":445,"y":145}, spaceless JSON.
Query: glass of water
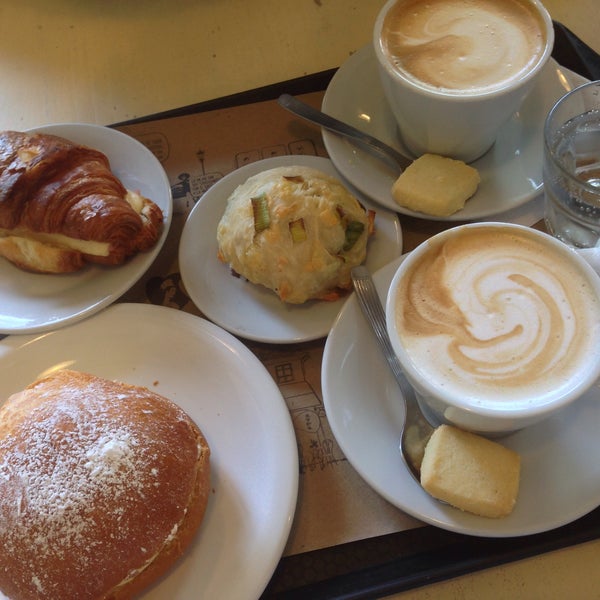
{"x":572,"y":167}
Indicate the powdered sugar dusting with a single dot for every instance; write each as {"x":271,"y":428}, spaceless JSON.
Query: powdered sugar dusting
{"x":71,"y":476}
{"x":47,"y":478}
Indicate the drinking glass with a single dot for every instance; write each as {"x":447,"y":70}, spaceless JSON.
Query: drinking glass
{"x":572,"y":167}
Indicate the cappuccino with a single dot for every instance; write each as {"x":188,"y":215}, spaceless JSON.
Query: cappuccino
{"x":463,"y":46}
{"x":498,"y":316}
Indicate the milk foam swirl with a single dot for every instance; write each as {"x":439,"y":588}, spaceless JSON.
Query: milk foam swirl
{"x":491,"y":313}
{"x":463,"y":44}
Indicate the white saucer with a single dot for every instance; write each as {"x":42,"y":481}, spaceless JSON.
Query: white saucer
{"x":249,"y":310}
{"x":32,"y":303}
{"x":560,"y":477}
{"x":232,"y":398}
{"x":511,"y":172}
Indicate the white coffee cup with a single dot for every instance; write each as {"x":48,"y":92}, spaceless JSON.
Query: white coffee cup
{"x":495,"y":325}
{"x":440,"y":107}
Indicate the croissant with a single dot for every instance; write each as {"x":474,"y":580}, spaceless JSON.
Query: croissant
{"x":61,"y":206}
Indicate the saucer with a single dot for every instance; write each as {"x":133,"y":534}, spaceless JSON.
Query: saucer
{"x":511,"y":171}
{"x":252,"y":311}
{"x":560,"y":473}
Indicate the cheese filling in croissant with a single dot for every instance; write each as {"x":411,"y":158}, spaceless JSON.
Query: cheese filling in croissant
{"x":57,"y":240}
{"x":61,"y":206}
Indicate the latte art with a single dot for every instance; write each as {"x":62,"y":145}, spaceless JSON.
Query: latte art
{"x":487,"y":314}
{"x":463,"y":45}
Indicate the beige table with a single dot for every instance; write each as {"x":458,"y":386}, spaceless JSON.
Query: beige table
{"x":109,"y":61}
{"x":112,"y":60}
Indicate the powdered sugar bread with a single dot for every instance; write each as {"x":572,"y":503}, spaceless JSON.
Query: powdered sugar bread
{"x":102,"y":487}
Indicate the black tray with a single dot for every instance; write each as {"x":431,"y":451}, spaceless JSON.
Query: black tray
{"x":384,"y":565}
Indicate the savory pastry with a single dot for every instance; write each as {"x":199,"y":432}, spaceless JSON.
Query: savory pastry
{"x":471,"y":472}
{"x":435,"y":185}
{"x":61,"y":206}
{"x":296,"y":231}
{"x":102,"y":487}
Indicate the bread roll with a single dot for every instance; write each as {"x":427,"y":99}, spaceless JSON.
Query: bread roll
{"x":102,"y":487}
{"x":471,"y":472}
{"x":61,"y":206}
{"x":296,"y":231}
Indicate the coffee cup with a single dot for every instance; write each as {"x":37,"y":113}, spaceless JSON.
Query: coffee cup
{"x":496,"y":326}
{"x":454,"y":71}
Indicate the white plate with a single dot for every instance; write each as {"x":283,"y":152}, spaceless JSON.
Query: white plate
{"x":560,"y":477}
{"x":511,"y":171}
{"x":231,"y":397}
{"x":32,"y":303}
{"x":249,"y":310}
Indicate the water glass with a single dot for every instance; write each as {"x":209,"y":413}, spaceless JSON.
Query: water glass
{"x":572,"y":167}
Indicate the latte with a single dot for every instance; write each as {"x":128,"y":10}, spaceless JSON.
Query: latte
{"x":498,"y":315}
{"x":463,"y":46}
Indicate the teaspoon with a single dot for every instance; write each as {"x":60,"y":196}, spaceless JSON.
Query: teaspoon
{"x":373,"y":145}
{"x":416,"y":430}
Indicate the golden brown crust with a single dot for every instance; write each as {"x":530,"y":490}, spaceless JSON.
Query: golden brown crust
{"x":102,"y":487}
{"x":50,"y":185}
{"x":313,"y":264}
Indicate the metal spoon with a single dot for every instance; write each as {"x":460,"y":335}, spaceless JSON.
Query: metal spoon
{"x":373,"y":145}
{"x":416,"y":430}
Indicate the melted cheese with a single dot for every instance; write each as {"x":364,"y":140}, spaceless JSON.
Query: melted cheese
{"x":60,"y":241}
{"x":135,"y":200}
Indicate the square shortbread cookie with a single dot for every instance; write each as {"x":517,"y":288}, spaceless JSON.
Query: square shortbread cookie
{"x":435,"y":185}
{"x":471,"y":472}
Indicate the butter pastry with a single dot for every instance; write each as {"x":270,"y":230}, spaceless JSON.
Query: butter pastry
{"x":61,"y":206}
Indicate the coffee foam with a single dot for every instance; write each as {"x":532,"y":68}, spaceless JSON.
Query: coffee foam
{"x":498,"y":316}
{"x":463,"y":45}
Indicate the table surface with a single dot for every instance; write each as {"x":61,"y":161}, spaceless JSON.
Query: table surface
{"x":111,"y":61}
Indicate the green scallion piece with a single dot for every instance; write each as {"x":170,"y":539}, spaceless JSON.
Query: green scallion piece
{"x":294,"y":178}
{"x":260,"y":210}
{"x":354,"y":230}
{"x":297,"y":230}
